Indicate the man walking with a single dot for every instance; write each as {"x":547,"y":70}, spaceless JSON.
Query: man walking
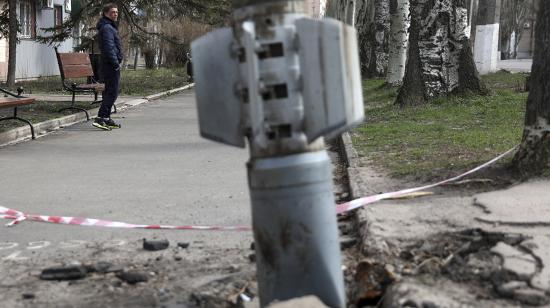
{"x":111,"y":58}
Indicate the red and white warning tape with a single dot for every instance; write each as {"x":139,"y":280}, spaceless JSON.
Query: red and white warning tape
{"x":357,"y":203}
{"x":17,"y":216}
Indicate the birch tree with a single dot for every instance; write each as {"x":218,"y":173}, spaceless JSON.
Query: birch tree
{"x":440,"y":58}
{"x":398,"y":42}
{"x":533,"y":156}
{"x":380,"y":29}
{"x":364,"y":15}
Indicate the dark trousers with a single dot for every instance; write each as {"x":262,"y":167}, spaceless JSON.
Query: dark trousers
{"x":111,"y":78}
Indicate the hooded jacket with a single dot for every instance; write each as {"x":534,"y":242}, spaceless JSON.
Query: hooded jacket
{"x":109,"y":42}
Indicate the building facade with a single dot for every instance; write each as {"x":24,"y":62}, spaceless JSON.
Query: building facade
{"x":35,"y":59}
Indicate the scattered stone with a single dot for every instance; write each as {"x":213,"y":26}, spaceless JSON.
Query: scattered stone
{"x":303,"y":302}
{"x":133,"y":277}
{"x":252,"y":247}
{"x":508,"y":288}
{"x":183,"y":245}
{"x":531,"y":297}
{"x":154,"y":245}
{"x":64,"y":273}
{"x":516,"y":261}
{"x":28,"y":296}
{"x":347,"y":242}
{"x":371,"y":279}
{"x":252,"y":257}
{"x":178,"y":258}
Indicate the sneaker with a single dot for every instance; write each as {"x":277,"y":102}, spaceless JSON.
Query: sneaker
{"x":111,"y":124}
{"x":101,"y":124}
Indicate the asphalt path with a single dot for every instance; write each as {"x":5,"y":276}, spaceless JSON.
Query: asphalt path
{"x":155,"y":170}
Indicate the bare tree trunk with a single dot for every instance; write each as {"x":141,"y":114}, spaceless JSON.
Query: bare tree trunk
{"x":399,"y":41}
{"x":12,"y":43}
{"x":363,"y":23}
{"x":136,"y":49}
{"x":378,"y":62}
{"x":533,"y":156}
{"x":440,"y":58}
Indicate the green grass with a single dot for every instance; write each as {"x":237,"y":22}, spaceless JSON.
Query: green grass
{"x":38,"y":112}
{"x":138,"y":83}
{"x":135,"y":83}
{"x":444,"y":137}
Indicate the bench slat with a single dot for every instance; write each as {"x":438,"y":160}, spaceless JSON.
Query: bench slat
{"x":14,"y":102}
{"x":77,"y":70}
{"x":97,"y":86}
{"x":71,"y":58}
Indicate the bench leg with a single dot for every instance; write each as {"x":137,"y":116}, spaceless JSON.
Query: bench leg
{"x":15,"y":117}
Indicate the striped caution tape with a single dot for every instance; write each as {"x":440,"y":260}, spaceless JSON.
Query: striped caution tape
{"x":17,"y":217}
{"x":357,"y":203}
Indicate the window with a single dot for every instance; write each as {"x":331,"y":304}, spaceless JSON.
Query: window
{"x":57,"y":16}
{"x":27,"y":18}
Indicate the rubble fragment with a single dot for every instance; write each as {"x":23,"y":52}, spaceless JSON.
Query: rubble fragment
{"x":133,"y":277}
{"x":183,"y":245}
{"x":154,"y":245}
{"x":64,"y":273}
{"x":28,"y":296}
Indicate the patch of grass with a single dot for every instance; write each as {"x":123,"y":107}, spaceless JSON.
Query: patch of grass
{"x":505,"y":80}
{"x":38,"y":112}
{"x":442,"y":138}
{"x":138,"y":82}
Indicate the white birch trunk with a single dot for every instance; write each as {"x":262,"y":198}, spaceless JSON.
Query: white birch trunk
{"x":440,"y":58}
{"x":440,"y":45}
{"x":379,"y":62}
{"x":399,"y":41}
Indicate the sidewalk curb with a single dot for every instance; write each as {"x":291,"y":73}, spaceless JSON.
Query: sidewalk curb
{"x":41,"y":129}
{"x":353,"y":163}
{"x":359,"y":187}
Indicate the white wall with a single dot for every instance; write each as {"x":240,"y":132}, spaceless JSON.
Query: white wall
{"x":35,"y":59}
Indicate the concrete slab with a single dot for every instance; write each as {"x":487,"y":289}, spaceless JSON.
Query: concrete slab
{"x":539,"y":246}
{"x":525,"y":204}
{"x":516,"y":261}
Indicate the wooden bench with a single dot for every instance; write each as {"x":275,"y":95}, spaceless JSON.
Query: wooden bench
{"x":78,"y":65}
{"x":15,"y":101}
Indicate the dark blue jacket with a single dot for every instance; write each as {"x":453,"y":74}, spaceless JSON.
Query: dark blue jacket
{"x":109,"y":42}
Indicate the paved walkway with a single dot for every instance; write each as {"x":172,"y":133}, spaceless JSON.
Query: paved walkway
{"x":155,"y":170}
{"x":81,"y":97}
